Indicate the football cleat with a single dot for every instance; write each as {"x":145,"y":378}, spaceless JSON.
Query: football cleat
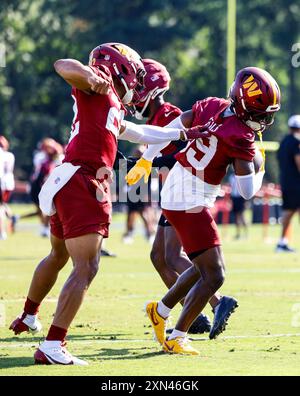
{"x":180,"y":346}
{"x":222,"y":313}
{"x":28,"y":323}
{"x":284,"y":249}
{"x":107,"y":253}
{"x":200,"y":326}
{"x":158,"y":323}
{"x":55,"y":352}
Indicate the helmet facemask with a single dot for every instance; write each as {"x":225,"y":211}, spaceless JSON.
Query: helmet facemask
{"x":129,"y":93}
{"x":260,"y":122}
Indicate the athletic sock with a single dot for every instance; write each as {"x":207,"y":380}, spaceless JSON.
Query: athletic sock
{"x":56,"y":334}
{"x":176,"y":333}
{"x":30,"y":307}
{"x":284,"y":241}
{"x":163,"y":310}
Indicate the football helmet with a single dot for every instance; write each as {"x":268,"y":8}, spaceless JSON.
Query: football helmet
{"x":123,"y":63}
{"x":255,"y":97}
{"x":157,"y":81}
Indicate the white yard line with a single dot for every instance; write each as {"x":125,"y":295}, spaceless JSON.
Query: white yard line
{"x":30,"y":344}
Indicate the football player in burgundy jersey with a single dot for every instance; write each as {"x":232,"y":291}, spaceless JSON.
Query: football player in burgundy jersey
{"x":193,"y":185}
{"x":77,"y":193}
{"x":167,"y":254}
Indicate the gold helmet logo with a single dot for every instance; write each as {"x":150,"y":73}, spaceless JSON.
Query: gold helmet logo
{"x":123,"y":50}
{"x":252,"y":87}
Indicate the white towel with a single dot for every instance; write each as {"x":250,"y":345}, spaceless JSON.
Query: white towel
{"x":55,"y":182}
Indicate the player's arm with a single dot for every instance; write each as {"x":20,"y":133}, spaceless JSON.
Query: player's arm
{"x":162,"y":136}
{"x":159,"y":138}
{"x":80,"y":76}
{"x":297,"y":160}
{"x":184,"y":121}
{"x":249,"y":175}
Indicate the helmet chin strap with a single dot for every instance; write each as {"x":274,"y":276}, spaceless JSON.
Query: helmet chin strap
{"x":127,"y":98}
{"x":255,"y":126}
{"x":139,"y":115}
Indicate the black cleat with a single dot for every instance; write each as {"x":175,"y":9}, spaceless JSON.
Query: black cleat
{"x":222,"y":313}
{"x":284,"y":249}
{"x":200,"y":326}
{"x":106,"y":253}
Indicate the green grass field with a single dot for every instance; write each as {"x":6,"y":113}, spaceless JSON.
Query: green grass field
{"x":111,"y":332}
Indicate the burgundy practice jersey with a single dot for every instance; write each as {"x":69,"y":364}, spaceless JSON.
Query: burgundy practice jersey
{"x":164,"y":115}
{"x":231,"y":139}
{"x":194,"y":182}
{"x":95,"y":128}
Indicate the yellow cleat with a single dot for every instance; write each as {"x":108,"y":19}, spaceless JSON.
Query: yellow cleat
{"x":180,"y":346}
{"x":159,"y":324}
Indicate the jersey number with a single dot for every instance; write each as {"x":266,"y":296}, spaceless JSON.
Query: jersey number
{"x":208,"y":151}
{"x":113,"y":122}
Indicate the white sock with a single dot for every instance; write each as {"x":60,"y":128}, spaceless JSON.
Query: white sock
{"x":3,"y":236}
{"x":51,"y":344}
{"x":163,"y":310}
{"x":284,"y":241}
{"x":32,"y":318}
{"x":177,"y":333}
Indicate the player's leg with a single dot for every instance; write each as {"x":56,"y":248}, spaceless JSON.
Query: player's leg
{"x":222,"y":306}
{"x":238,"y":225}
{"x":283,"y":244}
{"x":130,"y":224}
{"x":157,"y":255}
{"x":146,"y":214}
{"x":47,"y":271}
{"x":243,"y":223}
{"x":42,"y":282}
{"x":177,"y":262}
{"x":175,"y":256}
{"x":85,"y":252}
{"x":210,"y":265}
{"x":211,"y":268}
{"x":3,"y":232}
{"x":198,"y":233}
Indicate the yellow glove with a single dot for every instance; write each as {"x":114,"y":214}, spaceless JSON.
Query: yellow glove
{"x":141,"y":169}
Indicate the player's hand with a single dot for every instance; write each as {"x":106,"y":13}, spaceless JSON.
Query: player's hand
{"x":142,"y":169}
{"x":197,"y":132}
{"x":99,"y":85}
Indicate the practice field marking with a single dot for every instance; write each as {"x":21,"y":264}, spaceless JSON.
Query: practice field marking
{"x":266,"y":336}
{"x":265,"y":271}
{"x":10,"y":345}
{"x":21,"y":300}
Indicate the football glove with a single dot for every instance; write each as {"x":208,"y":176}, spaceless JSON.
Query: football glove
{"x":142,"y":169}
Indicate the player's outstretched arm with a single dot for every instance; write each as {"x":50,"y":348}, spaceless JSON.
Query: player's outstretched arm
{"x":249,"y":175}
{"x":159,"y":138}
{"x":80,"y":76}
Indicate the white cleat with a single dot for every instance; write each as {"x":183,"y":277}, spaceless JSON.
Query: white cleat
{"x":55,"y":352}
{"x":28,"y":323}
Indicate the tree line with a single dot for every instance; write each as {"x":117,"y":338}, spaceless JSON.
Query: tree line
{"x":189,"y":37}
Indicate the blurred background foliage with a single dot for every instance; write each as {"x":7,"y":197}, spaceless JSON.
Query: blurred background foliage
{"x":189,"y":37}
